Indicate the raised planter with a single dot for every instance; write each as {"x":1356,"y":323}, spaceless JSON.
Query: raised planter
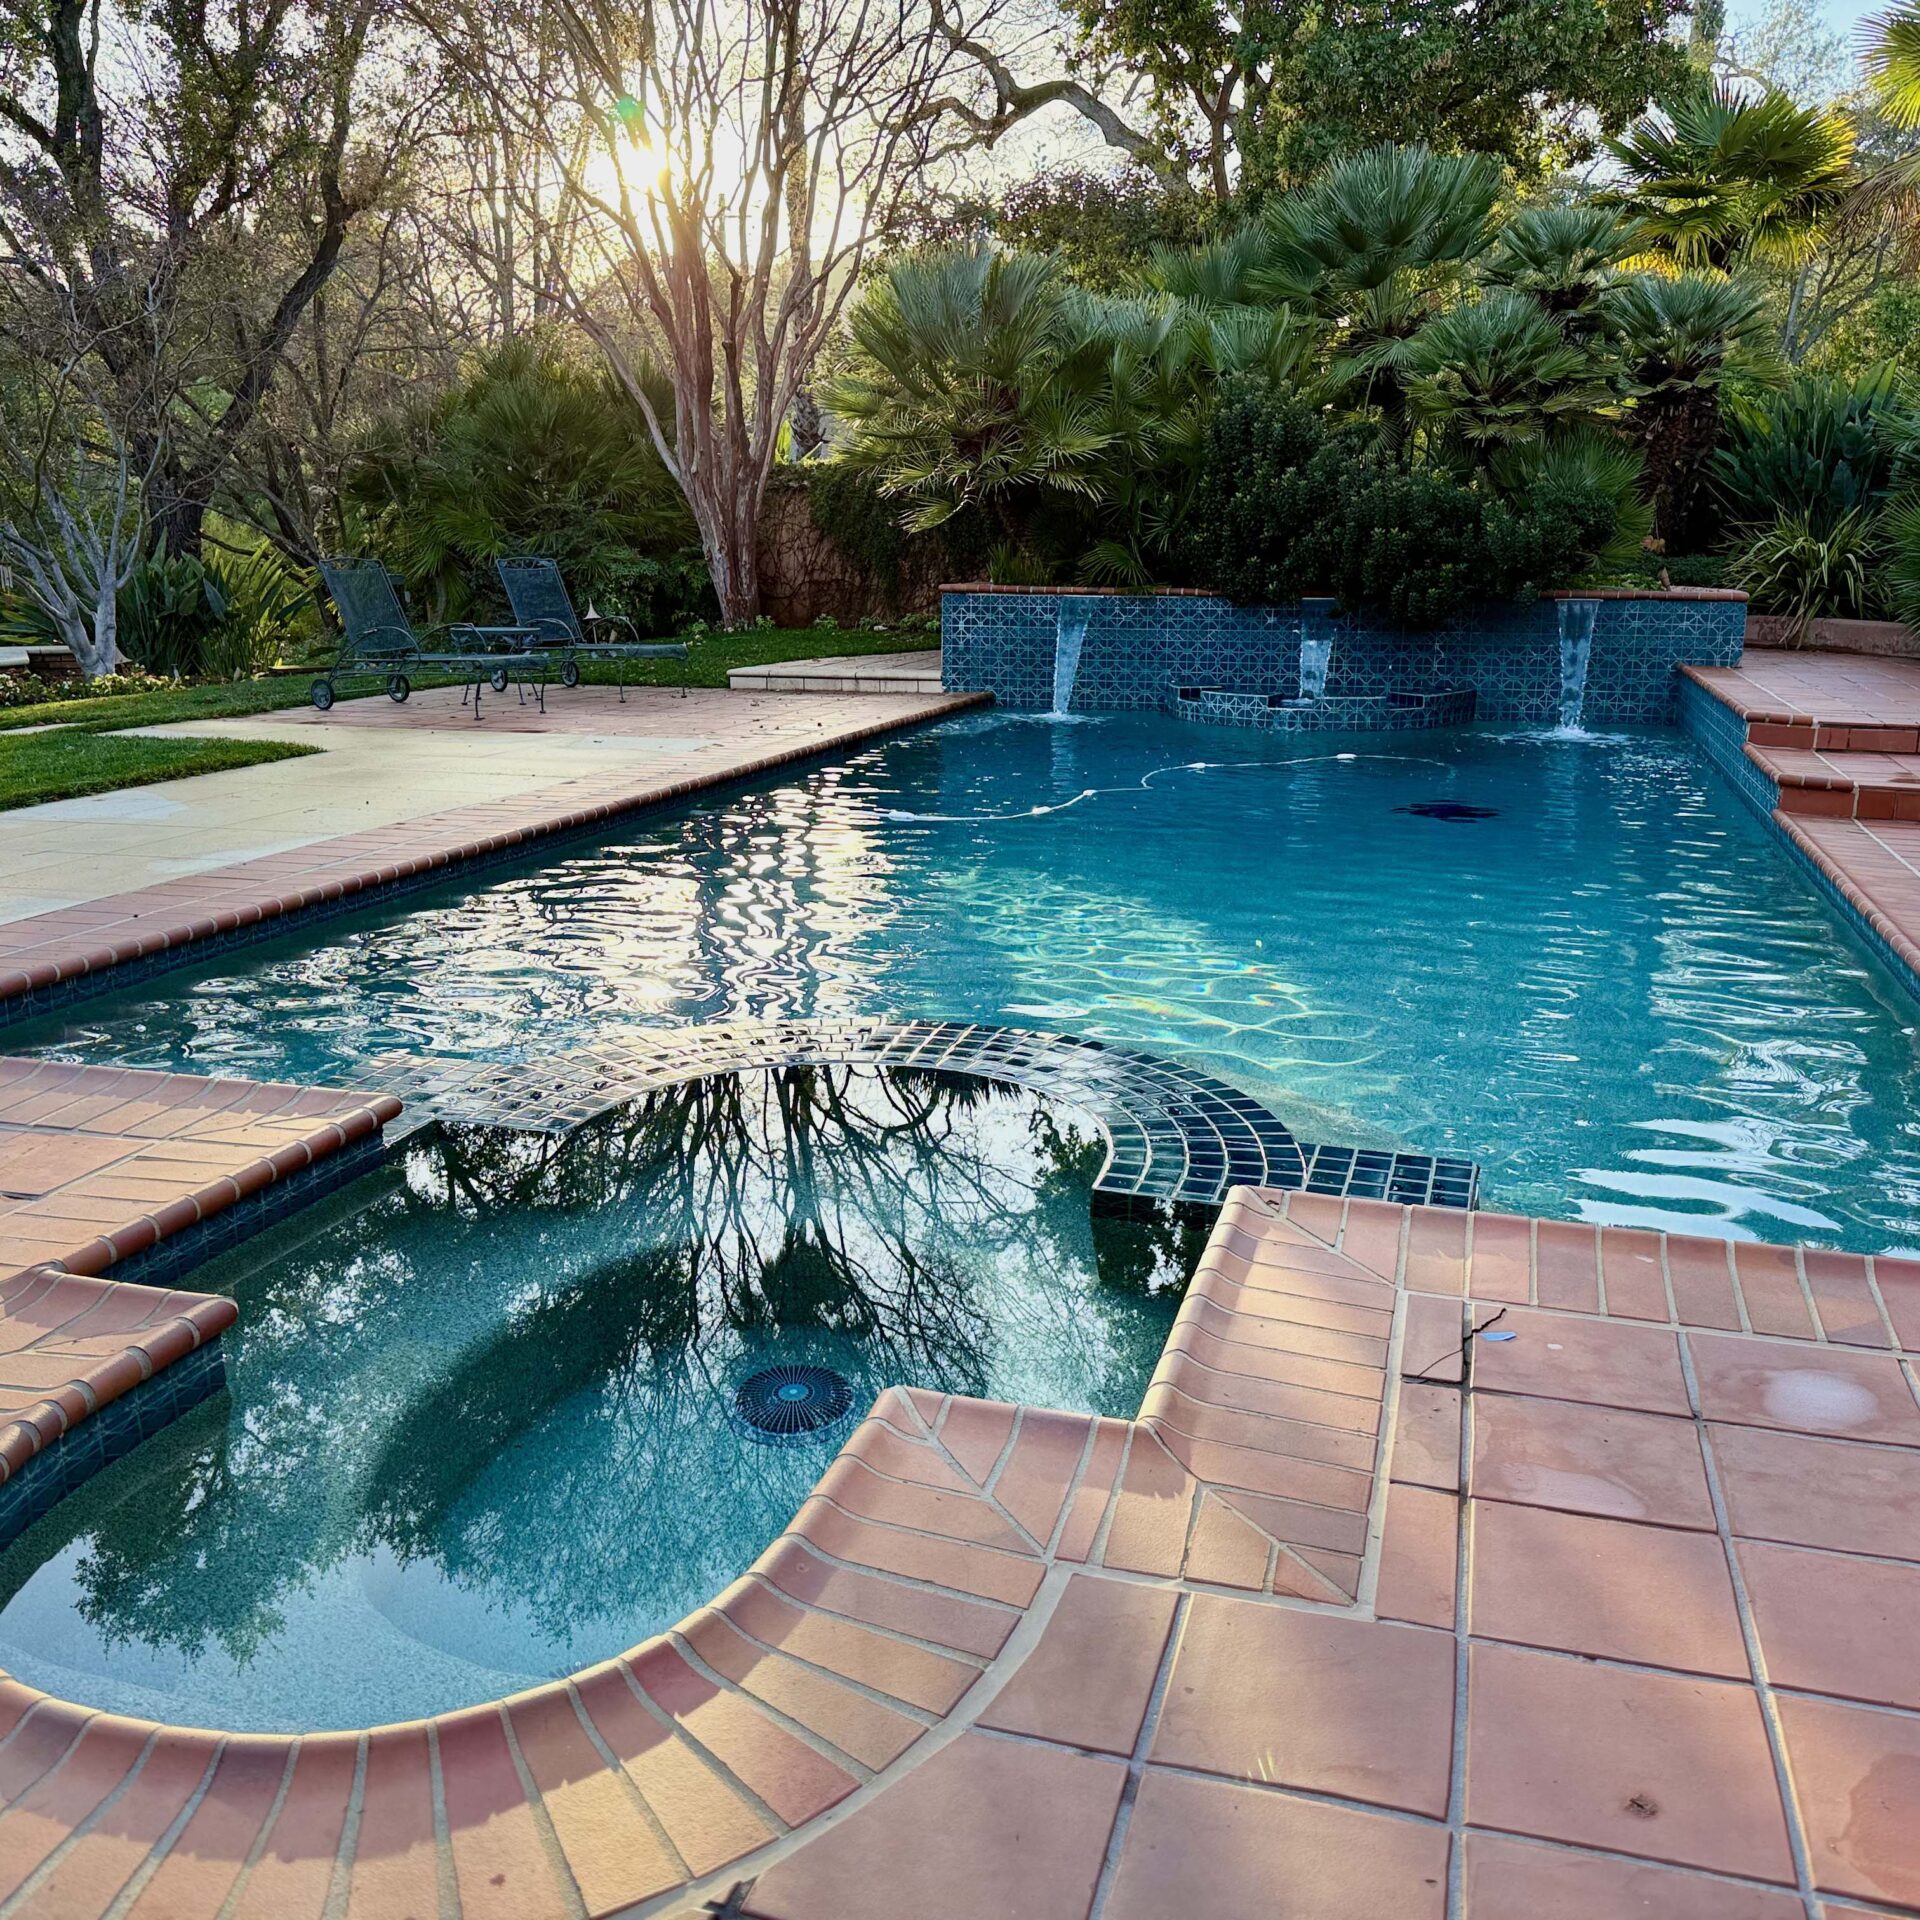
{"x":1138,"y":649}
{"x":1883,"y":639}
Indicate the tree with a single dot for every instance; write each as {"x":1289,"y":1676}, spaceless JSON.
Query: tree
{"x":1717,"y":180}
{"x":187,"y":175}
{"x":734,"y":168}
{"x":1258,"y":97}
{"x":1678,"y":335}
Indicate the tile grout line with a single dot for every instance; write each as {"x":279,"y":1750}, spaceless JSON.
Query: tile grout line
{"x":1462,"y":1657}
{"x":1756,"y":1656}
{"x":1137,"y":1760}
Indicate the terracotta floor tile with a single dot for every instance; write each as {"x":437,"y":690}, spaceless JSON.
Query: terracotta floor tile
{"x":1602,"y":1362}
{"x":1631,"y":1265}
{"x":1820,"y":1493}
{"x":1426,"y":1436}
{"x":1830,"y":1624}
{"x":500,"y":1862}
{"x":1656,"y":1765}
{"x":1086,"y":1683}
{"x":1653,"y":1595}
{"x":1523,"y":1880}
{"x":1419,"y":1555}
{"x":1857,"y":1774}
{"x":1292,"y":1698}
{"x":1202,"y":1847}
{"x":1844,"y":1299}
{"x":1600,"y":1460}
{"x":1805,"y":1389}
{"x":987,"y":1829}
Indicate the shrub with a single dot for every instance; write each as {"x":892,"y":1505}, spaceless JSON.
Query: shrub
{"x":168,"y":612}
{"x":1813,"y":569}
{"x":1288,"y":505}
{"x":1817,"y":450}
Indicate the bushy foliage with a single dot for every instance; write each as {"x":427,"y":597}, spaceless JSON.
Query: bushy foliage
{"x":1812,"y":569}
{"x":217,"y":619}
{"x":1818,"y":449}
{"x":529,"y":454}
{"x":1289,"y":504}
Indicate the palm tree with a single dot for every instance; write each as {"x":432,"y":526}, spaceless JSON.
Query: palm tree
{"x":1370,"y":246}
{"x":1890,"y":49}
{"x":1678,"y":334}
{"x":1497,"y":371}
{"x":975,"y":379}
{"x":1568,"y":258}
{"x":1715,"y":179}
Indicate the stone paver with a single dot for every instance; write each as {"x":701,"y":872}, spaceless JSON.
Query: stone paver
{"x":917,"y":671}
{"x":1008,"y":1661}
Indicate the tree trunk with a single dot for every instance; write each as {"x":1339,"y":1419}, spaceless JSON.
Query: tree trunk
{"x":1679,"y":440}
{"x":728,"y":538}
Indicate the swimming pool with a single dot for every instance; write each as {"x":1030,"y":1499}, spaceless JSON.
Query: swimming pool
{"x":1577,"y":960}
{"x":506,"y":1407}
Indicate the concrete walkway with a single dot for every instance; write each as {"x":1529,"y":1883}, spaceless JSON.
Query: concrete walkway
{"x":385,"y":765}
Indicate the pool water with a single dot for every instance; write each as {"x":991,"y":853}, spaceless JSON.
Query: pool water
{"x":1578,"y":960}
{"x":482,"y":1423}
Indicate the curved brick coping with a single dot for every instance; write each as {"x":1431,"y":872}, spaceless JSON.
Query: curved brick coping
{"x":51,"y":959}
{"x":104,"y":1166}
{"x":952,"y":1556}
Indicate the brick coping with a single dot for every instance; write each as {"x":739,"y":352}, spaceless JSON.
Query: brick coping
{"x":69,"y":948}
{"x":1207,"y":593}
{"x":1001,"y":1594}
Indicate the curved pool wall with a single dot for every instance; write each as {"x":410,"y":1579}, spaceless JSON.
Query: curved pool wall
{"x":1139,"y":649}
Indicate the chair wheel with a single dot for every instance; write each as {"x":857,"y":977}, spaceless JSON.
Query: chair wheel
{"x":569,"y":673}
{"x":398,"y":687}
{"x":499,"y":678}
{"x":322,"y":692}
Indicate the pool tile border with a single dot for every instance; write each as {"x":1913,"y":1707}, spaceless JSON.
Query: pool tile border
{"x":1175,"y":1134}
{"x":52,"y":960}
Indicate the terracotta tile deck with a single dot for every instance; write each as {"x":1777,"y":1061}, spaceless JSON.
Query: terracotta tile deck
{"x":99,"y":1164}
{"x":1621,"y":1625}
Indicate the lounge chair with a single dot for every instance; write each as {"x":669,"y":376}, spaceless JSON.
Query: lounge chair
{"x":541,"y":603}
{"x":379,"y":641}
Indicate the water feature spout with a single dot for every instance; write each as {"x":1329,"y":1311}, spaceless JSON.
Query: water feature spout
{"x":1576,"y":651}
{"x":1316,"y":648}
{"x":1069,"y":636}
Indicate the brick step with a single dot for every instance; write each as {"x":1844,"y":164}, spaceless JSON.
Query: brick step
{"x":1848,"y":784}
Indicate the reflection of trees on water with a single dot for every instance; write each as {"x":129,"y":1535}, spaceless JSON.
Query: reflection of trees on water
{"x":513,"y":1369}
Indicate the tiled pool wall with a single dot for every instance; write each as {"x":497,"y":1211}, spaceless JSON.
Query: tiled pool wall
{"x":1137,"y":646}
{"x":1721,"y":735}
{"x":100,"y":1439}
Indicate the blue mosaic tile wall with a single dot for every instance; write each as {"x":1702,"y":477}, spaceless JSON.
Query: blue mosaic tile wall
{"x":117,"y":1428}
{"x":1139,"y":645}
{"x":1721,"y":736}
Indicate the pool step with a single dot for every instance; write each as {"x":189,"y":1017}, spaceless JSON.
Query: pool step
{"x":914,"y":672}
{"x":1842,"y":784}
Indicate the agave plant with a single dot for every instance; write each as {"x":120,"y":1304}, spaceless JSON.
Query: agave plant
{"x":1496,"y":371}
{"x":1369,"y":245}
{"x":1714,"y":178}
{"x":1677,"y":336}
{"x":1819,"y":448}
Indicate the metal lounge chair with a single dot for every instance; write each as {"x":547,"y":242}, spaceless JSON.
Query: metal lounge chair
{"x":379,"y":641}
{"x":538,"y":595}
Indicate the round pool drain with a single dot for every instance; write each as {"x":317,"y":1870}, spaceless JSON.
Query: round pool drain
{"x":789,"y":1402}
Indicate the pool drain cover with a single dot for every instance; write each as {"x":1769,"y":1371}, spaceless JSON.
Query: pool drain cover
{"x":787,"y":1402}
{"x":1448,"y":810}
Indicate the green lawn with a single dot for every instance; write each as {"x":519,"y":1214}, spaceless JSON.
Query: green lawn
{"x":710,"y":658}
{"x":63,"y":765}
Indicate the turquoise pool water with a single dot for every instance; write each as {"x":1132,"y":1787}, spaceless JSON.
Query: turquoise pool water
{"x":1580,"y":961}
{"x":482,"y":1425}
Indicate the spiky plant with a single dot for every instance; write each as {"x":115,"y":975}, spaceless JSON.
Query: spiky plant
{"x":1678,"y":335}
{"x":1370,"y":245}
{"x":1568,"y":258}
{"x":1819,"y":447}
{"x":1813,"y":571}
{"x":1715,"y":177}
{"x":1496,"y":371}
{"x":1586,"y":463}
